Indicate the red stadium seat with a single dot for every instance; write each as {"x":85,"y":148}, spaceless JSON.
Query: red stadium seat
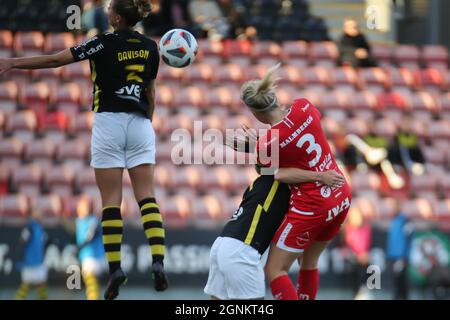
{"x":366,"y":207}
{"x":356,"y":126}
{"x":317,"y":76}
{"x":439,"y":134}
{"x":36,"y":97}
{"x":81,"y":125}
{"x":442,"y":211}
{"x":244,"y":177}
{"x":295,"y":50}
{"x":241,"y":61}
{"x":6,"y":43}
{"x":418,"y":209}
{"x":165,"y":150}
{"x":213,"y":121}
{"x":363,"y":181}
{"x":323,"y":53}
{"x":85,"y":182}
{"x":14,"y":207}
{"x":229,"y":73}
{"x":344,"y":77}
{"x":51,"y":76}
{"x":385,"y":208}
{"x":435,"y":56}
{"x":424,"y":105}
{"x":59,"y":180}
{"x":218,"y":177}
{"x":78,"y":72}
{"x":176,"y":211}
{"x":373,"y":79}
{"x":54,"y":125}
{"x":386,"y":127}
{"x":5,"y":175}
{"x":210,"y":47}
{"x":188,"y":176}
{"x":267,"y":49}
{"x":55,"y":42}
{"x":290,"y":75}
{"x":207,"y":212}
{"x":74,"y":153}
{"x":430,"y":79}
{"x":364,"y":104}
{"x":199,"y":72}
{"x":335,"y":100}
{"x":28,"y":43}
{"x":392,"y":104}
{"x":70,"y":204}
{"x":434,"y":156}
{"x":27,"y":180}
{"x":400,"y":78}
{"x":8,"y":96}
{"x":233,"y":48}
{"x":41,"y":152}
{"x":11,"y":152}
{"x":68,"y":99}
{"x":22,"y":124}
{"x":191,"y":96}
{"x":164,"y":175}
{"x":165,"y":96}
{"x":169,"y":74}
{"x":50,"y":206}
{"x":407,"y":55}
{"x":180,"y":122}
{"x":382,"y":54}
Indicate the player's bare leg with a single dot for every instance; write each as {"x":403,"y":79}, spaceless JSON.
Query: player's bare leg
{"x":276,"y":270}
{"x":109,"y":182}
{"x":142,"y":180}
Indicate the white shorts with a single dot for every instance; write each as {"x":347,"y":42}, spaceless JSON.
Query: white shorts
{"x":94,"y":266}
{"x":121,"y":140}
{"x":34,"y":275}
{"x":235,"y":271}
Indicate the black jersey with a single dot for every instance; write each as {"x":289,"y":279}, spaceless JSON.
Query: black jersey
{"x":122,"y":65}
{"x":260,"y":213}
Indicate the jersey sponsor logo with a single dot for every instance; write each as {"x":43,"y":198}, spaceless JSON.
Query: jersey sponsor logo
{"x":131,"y":92}
{"x":297,"y":132}
{"x":326,"y":163}
{"x":303,"y":296}
{"x":132,"y":54}
{"x":325,"y":191}
{"x":82,"y":55}
{"x":237,"y":214}
{"x":305,"y":108}
{"x":334,"y":212}
{"x":302,"y":239}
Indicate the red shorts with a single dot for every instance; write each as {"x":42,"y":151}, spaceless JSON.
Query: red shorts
{"x":300,"y":228}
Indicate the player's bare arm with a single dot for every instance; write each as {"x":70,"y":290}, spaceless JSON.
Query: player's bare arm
{"x":39,"y":62}
{"x":330,"y":178}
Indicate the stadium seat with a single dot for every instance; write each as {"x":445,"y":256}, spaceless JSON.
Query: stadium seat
{"x":180,"y":121}
{"x":345,"y":78}
{"x":229,"y":73}
{"x":164,"y":175}
{"x":335,"y":100}
{"x":59,"y":180}
{"x":267,"y":49}
{"x":51,"y":76}
{"x":191,"y":96}
{"x":54,"y":125}
{"x":28,"y":43}
{"x":74,"y":153}
{"x":407,"y":56}
{"x":188,"y":176}
{"x":81,"y":125}
{"x":386,"y":127}
{"x":40,"y":152}
{"x":363,"y":181}
{"x":78,"y":72}
{"x":356,"y":126}
{"x":424,"y":105}
{"x":423,"y":183}
{"x":218,"y":177}
{"x":295,"y":50}
{"x":243,"y":178}
{"x":323,"y":53}
{"x":373,"y":79}
{"x":210,"y":48}
{"x":364,"y":104}
{"x":418,"y":209}
{"x":382,"y":54}
{"x":443,"y":210}
{"x":435,"y":56}
{"x":22,"y":124}
{"x":5,"y":175}
{"x":430,"y":79}
{"x":55,"y":42}
{"x":176,"y":211}
{"x":11,"y":152}
{"x":290,"y":75}
{"x":400,"y":78}
{"x":234,"y":48}
{"x":392,"y":104}
{"x":316,"y":77}
{"x":27,"y":180}
{"x":165,"y":96}
{"x":199,"y":72}
{"x":207,"y":212}
{"x":366,"y":207}
{"x":439,"y":134}
{"x":50,"y":206}
{"x":14,"y":207}
{"x":85,"y":182}
{"x":385,"y":208}
{"x":8,"y":96}
{"x":165,"y":150}
{"x":70,"y":204}
{"x":36,"y":97}
{"x":433,"y":155}
{"x":6,"y":43}
{"x":68,"y":99}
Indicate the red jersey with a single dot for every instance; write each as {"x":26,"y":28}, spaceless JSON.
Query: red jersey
{"x":302,"y":144}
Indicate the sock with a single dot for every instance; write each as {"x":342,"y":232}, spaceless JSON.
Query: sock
{"x":22,"y":292}
{"x":283,"y":288}
{"x":42,"y":292}
{"x":92,"y":292}
{"x":112,"y":227}
{"x":153,"y":227}
{"x":308,"y":283}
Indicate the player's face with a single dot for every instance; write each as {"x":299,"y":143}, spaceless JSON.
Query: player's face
{"x":113,"y":17}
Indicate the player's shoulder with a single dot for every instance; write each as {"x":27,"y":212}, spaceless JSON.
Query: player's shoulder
{"x":302,"y":104}
{"x":146,"y":40}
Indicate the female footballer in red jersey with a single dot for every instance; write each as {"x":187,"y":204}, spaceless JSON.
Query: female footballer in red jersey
{"x":316,"y":211}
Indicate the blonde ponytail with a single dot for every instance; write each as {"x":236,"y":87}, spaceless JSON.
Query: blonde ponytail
{"x":260,"y":94}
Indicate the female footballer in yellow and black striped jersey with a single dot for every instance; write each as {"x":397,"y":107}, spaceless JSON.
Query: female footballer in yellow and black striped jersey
{"x":124,"y":65}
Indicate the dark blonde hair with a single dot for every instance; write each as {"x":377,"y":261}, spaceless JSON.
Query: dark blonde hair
{"x":260,"y":94}
{"x":132,"y":11}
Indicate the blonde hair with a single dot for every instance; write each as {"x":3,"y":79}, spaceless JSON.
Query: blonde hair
{"x":260,"y":94}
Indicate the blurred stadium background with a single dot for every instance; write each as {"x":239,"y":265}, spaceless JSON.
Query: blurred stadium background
{"x":400,"y":101}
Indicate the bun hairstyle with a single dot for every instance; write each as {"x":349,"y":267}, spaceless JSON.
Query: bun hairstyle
{"x":260,"y":94}
{"x":132,"y":11}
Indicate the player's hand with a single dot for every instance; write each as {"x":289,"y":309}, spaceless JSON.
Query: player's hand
{"x":5,"y":65}
{"x":244,"y":141}
{"x":332,"y":179}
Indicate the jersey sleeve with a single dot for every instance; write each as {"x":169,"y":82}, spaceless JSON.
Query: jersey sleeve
{"x":91,"y":48}
{"x":154,"y":62}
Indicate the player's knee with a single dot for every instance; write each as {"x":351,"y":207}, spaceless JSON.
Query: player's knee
{"x":274,"y":271}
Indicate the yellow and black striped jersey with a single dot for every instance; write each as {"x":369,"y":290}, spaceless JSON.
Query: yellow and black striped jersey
{"x":122,"y":65}
{"x":263,"y":207}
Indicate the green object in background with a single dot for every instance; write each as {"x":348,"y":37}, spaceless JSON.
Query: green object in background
{"x":428,"y":249}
